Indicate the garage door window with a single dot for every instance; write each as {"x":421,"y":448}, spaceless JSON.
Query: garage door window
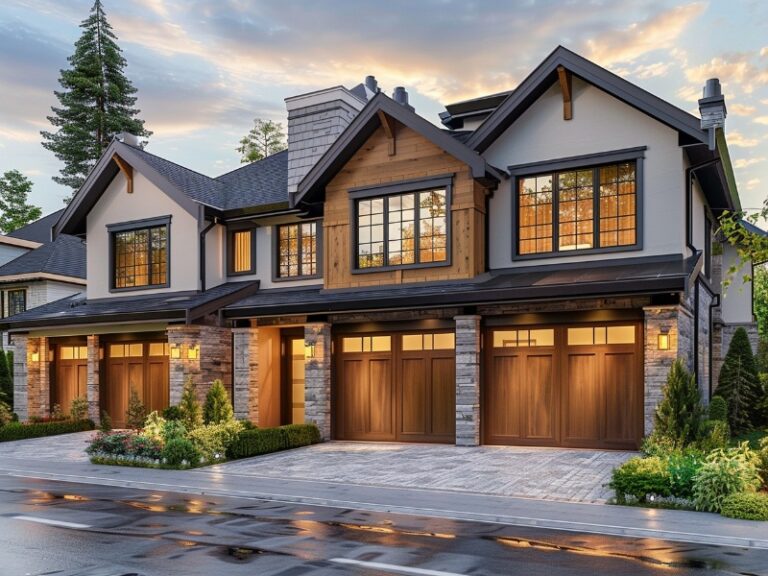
{"x":126,"y":350}
{"x":596,"y":335}
{"x":523,"y":338}
{"x":417,"y":342}
{"x":158,"y":349}
{"x":367,"y":344}
{"x":73,"y":352}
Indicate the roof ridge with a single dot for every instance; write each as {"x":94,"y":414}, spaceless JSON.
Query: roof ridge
{"x":211,"y":178}
{"x":249,"y":164}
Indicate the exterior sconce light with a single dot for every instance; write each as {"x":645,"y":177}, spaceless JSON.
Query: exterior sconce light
{"x":50,"y":355}
{"x":664,"y":339}
{"x":175,"y":351}
{"x":193,"y":352}
{"x":36,"y":356}
{"x":309,"y":351}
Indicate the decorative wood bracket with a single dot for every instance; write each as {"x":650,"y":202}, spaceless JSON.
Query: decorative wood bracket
{"x":126,"y":169}
{"x":565,"y":85}
{"x":389,"y":129}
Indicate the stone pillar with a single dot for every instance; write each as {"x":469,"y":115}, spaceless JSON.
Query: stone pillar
{"x":215,"y":357}
{"x":20,"y":372}
{"x":317,"y":397}
{"x":92,"y":382}
{"x":467,"y":380}
{"x":246,"y":374}
{"x":182,"y":339}
{"x":204,"y":354}
{"x":38,"y":381}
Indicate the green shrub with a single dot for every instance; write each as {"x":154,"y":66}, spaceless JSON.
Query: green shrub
{"x":173,"y":429}
{"x":297,"y":435}
{"x":718,"y":409}
{"x":714,"y":434}
{"x":656,"y":444}
{"x":678,"y":415}
{"x":154,"y":425}
{"x":738,"y":383}
{"x":746,"y":506}
{"x":213,"y":440}
{"x":172,"y":413}
{"x":57,"y":413}
{"x":106,"y":422}
{"x":725,"y":472}
{"x":189,"y":407}
{"x":136,"y":413}
{"x":640,"y":478}
{"x":6,"y":416}
{"x":762,"y":461}
{"x":257,"y":441}
{"x":218,"y":406}
{"x":180,"y":452}
{"x":18,"y":431}
{"x":682,"y":473}
{"x":125,"y":443}
{"x":6,"y":378}
{"x":78,"y":410}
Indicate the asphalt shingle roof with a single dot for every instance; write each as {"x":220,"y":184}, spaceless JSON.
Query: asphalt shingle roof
{"x":39,"y":230}
{"x":259,"y":183}
{"x":65,"y":256}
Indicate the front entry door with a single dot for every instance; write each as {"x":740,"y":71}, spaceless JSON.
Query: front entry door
{"x":293,"y":392}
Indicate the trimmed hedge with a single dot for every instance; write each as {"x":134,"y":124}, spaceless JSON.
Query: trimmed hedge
{"x":746,"y":506}
{"x":265,"y":440}
{"x":17,"y":431}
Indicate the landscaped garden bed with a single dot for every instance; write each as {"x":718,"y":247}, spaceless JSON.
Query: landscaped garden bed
{"x":691,"y":461}
{"x":58,"y":423}
{"x":188,"y":435}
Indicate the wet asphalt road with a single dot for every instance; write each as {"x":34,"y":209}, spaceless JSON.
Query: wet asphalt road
{"x":105,"y":531}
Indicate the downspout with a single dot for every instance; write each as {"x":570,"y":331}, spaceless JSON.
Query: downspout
{"x":696,"y":332}
{"x":203,"y":232}
{"x":712,"y":305}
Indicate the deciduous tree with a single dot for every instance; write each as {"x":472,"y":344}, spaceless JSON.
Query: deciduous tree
{"x":15,"y":212}
{"x":265,"y":138}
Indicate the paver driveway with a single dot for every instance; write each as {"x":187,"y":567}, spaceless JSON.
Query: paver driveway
{"x":549,"y":473}
{"x":64,"y":448}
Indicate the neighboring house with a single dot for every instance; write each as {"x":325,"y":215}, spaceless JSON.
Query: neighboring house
{"x":525,"y":276}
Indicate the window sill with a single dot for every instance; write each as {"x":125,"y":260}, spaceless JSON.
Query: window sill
{"x":374,"y":269}
{"x":576,"y":253}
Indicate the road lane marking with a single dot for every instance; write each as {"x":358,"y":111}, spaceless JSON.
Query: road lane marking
{"x":394,"y":568}
{"x":49,"y":522}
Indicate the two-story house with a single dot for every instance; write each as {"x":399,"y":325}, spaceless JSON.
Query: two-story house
{"x":525,"y":275}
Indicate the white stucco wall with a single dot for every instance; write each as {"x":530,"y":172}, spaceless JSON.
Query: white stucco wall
{"x":147,"y":201}
{"x":215,"y":256}
{"x":736,"y":300}
{"x":698,"y":218}
{"x":600,"y":123}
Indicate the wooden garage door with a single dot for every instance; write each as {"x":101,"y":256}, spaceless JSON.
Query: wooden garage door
{"x":71,"y":376}
{"x":396,"y":387}
{"x":575,"y":386}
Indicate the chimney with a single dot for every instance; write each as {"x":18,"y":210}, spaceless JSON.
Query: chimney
{"x":130,"y":139}
{"x":315,"y":120}
{"x":371,"y":84}
{"x":712,"y":109}
{"x":400,"y":95}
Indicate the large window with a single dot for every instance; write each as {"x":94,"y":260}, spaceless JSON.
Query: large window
{"x":402,"y":229}
{"x":17,"y":301}
{"x":578,"y":209}
{"x":242,"y":253}
{"x":140,"y":257}
{"x":297,"y":250}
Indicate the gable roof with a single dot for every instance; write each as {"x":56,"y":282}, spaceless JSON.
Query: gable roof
{"x":364,"y":125}
{"x":40,"y":230}
{"x":260,"y":183}
{"x":545,"y":74}
{"x":65,"y":256}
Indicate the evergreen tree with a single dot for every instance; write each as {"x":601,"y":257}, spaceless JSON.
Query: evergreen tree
{"x":97,"y":101}
{"x":739,"y":384}
{"x":191,"y":414}
{"x":265,"y":138}
{"x":6,"y":380}
{"x":218,"y":407}
{"x":14,"y":210}
{"x":679,"y":414}
{"x":136,"y":413}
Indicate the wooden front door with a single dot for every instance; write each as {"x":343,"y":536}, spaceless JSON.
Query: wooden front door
{"x":292,"y":391}
{"x":71,"y":375}
{"x":397,"y":387}
{"x":575,"y":386}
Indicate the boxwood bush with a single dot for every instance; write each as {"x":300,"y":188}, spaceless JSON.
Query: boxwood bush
{"x":18,"y":431}
{"x":265,"y":440}
{"x":640,"y":478}
{"x":746,"y":506}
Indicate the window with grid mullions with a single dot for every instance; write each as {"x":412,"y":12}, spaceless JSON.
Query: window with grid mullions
{"x":140,"y":257}
{"x":297,"y":250}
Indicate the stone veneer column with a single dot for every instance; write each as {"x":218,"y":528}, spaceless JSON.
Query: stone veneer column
{"x":246,"y":374}
{"x":20,"y":374}
{"x":467,"y":380}
{"x":317,"y":396}
{"x":678,"y":322}
{"x":38,"y":382}
{"x":92,"y":382}
{"x":213,"y":362}
{"x":182,"y":338}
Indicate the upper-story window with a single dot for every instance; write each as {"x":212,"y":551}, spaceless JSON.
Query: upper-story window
{"x":578,"y":209}
{"x":409,"y":229}
{"x":297,"y":250}
{"x":242,"y":253}
{"x":17,"y":301}
{"x":140,"y":255}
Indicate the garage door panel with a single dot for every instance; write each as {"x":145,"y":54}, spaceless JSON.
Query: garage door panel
{"x":413,"y":396}
{"x":582,"y":398}
{"x":540,"y":397}
{"x":443,"y":403}
{"x":380,"y":384}
{"x":621,"y":399}
{"x":157,"y":386}
{"x":354,"y":398}
{"x":503,"y":398}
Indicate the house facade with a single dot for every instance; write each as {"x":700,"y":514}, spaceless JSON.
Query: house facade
{"x":525,"y":275}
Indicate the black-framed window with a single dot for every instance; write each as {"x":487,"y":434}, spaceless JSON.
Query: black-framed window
{"x":140,"y":257}
{"x":17,"y":301}
{"x":578,"y":209}
{"x":406,"y":229}
{"x":297,"y":250}
{"x":241,"y":249}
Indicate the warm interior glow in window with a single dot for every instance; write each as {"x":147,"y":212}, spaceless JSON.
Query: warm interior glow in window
{"x":241,"y":247}
{"x":140,"y":257}
{"x":600,"y":335}
{"x":523,"y":338}
{"x":297,"y":249}
{"x":416,"y":342}
{"x":366,"y":344}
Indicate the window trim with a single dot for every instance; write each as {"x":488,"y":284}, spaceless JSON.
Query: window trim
{"x":276,"y":251}
{"x":584,"y":161}
{"x":418,"y":185}
{"x":139,"y":225}
{"x":231,"y":230}
{"x":24,"y":298}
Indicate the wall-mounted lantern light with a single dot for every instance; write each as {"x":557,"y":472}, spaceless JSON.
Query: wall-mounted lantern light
{"x":309,"y":351}
{"x":36,"y":356}
{"x":193,"y":352}
{"x":175,"y":351}
{"x":664,"y":339}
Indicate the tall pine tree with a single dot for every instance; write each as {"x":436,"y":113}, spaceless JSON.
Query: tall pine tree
{"x":738,"y":383}
{"x":15,"y":212}
{"x":97,"y":101}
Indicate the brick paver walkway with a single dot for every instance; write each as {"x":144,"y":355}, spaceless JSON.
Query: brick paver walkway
{"x":549,"y":473}
{"x":64,"y":448}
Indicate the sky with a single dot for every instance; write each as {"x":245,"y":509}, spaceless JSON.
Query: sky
{"x":204,"y":69}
